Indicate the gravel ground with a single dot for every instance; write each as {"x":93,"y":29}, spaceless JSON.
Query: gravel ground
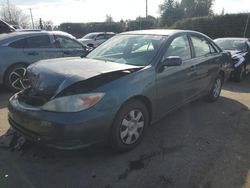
{"x":199,"y":146}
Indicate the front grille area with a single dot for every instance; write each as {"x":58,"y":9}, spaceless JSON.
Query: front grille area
{"x":22,"y":130}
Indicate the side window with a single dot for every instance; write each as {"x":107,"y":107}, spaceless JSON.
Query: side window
{"x":18,"y":44}
{"x":100,"y":37}
{"x":201,"y":46}
{"x":179,"y":47}
{"x":108,"y":36}
{"x":38,"y":42}
{"x":67,"y":42}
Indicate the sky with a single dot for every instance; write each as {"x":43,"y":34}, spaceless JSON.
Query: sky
{"x":59,"y":11}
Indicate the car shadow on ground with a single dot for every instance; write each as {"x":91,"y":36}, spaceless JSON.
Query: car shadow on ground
{"x":200,"y":145}
{"x":241,"y":87}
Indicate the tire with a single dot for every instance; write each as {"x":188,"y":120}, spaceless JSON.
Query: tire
{"x":215,"y":91}
{"x":15,"y":78}
{"x":129,"y":126}
{"x":240,"y":73}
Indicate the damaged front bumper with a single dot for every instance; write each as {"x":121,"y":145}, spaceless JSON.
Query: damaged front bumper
{"x":59,"y":130}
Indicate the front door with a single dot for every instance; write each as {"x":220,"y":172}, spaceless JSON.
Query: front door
{"x":175,"y":84}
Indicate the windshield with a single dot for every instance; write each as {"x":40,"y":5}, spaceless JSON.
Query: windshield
{"x":238,"y":45}
{"x":129,"y":49}
{"x":90,"y":36}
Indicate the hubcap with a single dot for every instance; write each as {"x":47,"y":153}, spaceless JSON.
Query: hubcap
{"x":18,"y":78}
{"x":217,"y":88}
{"x":132,"y":127}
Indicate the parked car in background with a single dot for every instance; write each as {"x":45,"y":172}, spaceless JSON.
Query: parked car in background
{"x":5,"y":27}
{"x":239,"y":49}
{"x":20,"y":49}
{"x":114,"y":94}
{"x":95,"y":39}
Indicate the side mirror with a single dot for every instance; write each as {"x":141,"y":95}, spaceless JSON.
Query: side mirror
{"x":172,"y":61}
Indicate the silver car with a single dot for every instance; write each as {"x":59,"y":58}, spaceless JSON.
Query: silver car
{"x":95,"y":39}
{"x":19,"y":49}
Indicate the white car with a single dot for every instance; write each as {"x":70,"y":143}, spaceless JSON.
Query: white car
{"x":95,"y":39}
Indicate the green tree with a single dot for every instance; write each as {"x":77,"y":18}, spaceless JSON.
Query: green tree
{"x":109,"y":19}
{"x":171,"y":11}
{"x":197,"y":8}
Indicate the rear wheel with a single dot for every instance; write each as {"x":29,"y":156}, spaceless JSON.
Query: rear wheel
{"x":215,"y":91}
{"x":129,"y":126}
{"x":15,"y":78}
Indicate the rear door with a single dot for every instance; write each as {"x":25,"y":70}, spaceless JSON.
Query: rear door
{"x":206,"y":62}
{"x":174,"y":84}
{"x":70,"y":47}
{"x":40,"y":47}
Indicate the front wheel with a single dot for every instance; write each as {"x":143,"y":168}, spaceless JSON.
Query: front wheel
{"x":215,"y":91}
{"x":129,"y":126}
{"x":15,"y":78}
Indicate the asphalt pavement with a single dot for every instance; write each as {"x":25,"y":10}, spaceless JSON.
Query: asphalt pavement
{"x":202,"y":145}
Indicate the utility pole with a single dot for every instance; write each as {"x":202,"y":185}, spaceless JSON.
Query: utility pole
{"x":146,"y":8}
{"x":245,"y":32}
{"x":31,"y":16}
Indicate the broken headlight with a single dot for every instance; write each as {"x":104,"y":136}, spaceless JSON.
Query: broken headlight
{"x":73,"y":103}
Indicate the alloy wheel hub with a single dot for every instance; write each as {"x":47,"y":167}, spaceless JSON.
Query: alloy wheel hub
{"x":132,"y":127}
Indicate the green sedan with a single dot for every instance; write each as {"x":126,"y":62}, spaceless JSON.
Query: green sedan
{"x":118,"y":90}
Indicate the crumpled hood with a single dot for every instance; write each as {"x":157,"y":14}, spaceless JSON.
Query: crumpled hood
{"x":238,"y":57}
{"x":50,"y":77}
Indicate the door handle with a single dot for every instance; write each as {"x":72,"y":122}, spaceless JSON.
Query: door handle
{"x":33,"y":53}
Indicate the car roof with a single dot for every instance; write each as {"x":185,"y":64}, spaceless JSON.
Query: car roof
{"x":97,"y":33}
{"x":162,"y":32}
{"x":20,"y":34}
{"x":232,"y":38}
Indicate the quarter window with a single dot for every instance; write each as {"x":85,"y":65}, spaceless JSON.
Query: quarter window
{"x":179,"y":47}
{"x":67,"y":43}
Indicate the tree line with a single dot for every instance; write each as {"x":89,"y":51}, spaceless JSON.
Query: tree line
{"x":181,"y":14}
{"x":80,"y":29}
{"x":172,"y":10}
